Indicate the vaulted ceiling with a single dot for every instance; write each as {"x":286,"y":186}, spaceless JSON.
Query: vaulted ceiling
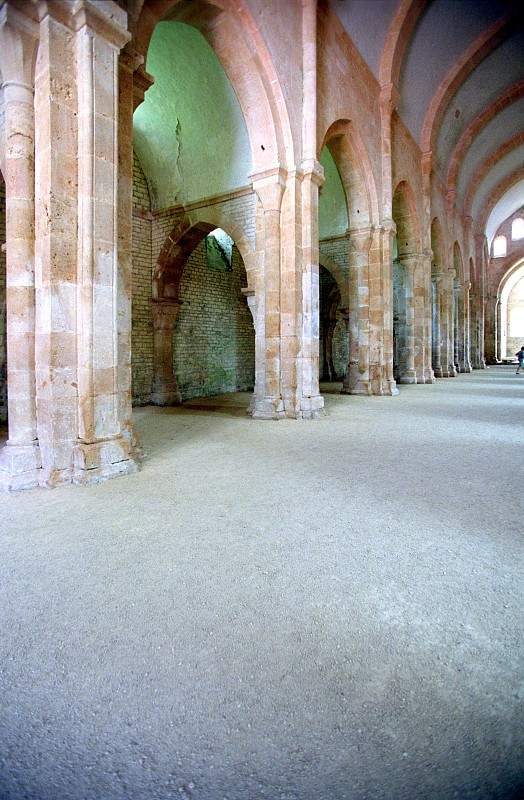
{"x":461,"y":89}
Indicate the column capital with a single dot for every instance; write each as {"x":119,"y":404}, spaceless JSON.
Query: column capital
{"x":388,"y":226}
{"x":269,"y":186}
{"x":389,"y":98}
{"x":313,"y":169}
{"x":165,"y":313}
{"x":360,"y":239}
{"x":130,"y":59}
{"x":426,"y":162}
{"x":410,"y":260}
{"x":18,"y":40}
{"x":107,"y":19}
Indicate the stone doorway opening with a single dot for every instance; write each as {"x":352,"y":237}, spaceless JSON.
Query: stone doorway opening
{"x":204,"y":339}
{"x":333,"y":331}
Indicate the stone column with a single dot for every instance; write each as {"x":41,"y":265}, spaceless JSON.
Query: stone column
{"x":357,"y":378}
{"x":407,"y":372}
{"x":20,"y":458}
{"x":130,"y":79}
{"x":422,"y":316}
{"x":446,"y":323}
{"x":381,"y":309}
{"x":268,"y":404}
{"x":459,"y":326}
{"x":82,"y":292}
{"x":310,"y":404}
{"x":436,"y":333}
{"x":428,"y":374}
{"x":251,"y":299}
{"x":164,"y":390}
{"x":104,"y":446}
{"x":467,"y":328}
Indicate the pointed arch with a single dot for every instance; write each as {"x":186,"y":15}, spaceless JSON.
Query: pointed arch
{"x":485,"y":167}
{"x":437,"y":246}
{"x":406,"y":219}
{"x":397,"y":39}
{"x":354,"y":165}
{"x":185,"y":235}
{"x":338,"y":274}
{"x":468,"y":136}
{"x":233,"y":35}
{"x":458,"y":262}
{"x":471,"y":58}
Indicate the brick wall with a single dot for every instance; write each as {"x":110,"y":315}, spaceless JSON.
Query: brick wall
{"x":214,"y":339}
{"x":336,"y":250}
{"x":142,"y":333}
{"x":214,"y":343}
{"x":3,"y":364}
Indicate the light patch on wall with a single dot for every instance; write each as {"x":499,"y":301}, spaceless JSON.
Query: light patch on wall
{"x":189,"y":133}
{"x":332,"y":207}
{"x":219,"y":250}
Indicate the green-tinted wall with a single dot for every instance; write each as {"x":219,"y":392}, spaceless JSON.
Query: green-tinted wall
{"x":189,"y":132}
{"x":332,"y":212}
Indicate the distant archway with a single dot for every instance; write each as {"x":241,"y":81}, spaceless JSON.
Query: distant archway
{"x":204,"y":340}
{"x":510,"y":312}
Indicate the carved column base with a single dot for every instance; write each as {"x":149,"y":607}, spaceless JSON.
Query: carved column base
{"x":100,"y":461}
{"x":311,"y":407}
{"x":354,"y":383}
{"x":167,"y":396}
{"x":409,"y":376}
{"x":20,"y":467}
{"x":429,"y":375}
{"x":389,"y":388}
{"x":268,"y":408}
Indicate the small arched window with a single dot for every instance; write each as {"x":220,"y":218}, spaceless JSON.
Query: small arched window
{"x":499,"y":246}
{"x":517,"y":228}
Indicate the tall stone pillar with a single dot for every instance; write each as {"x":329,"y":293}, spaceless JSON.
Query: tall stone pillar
{"x":309,"y":402}
{"x":251,"y":300}
{"x":446,"y":324}
{"x":422,"y":316}
{"x":407,"y":371}
{"x":164,"y":390}
{"x":82,"y":291}
{"x":436,"y":332}
{"x":459,"y":326}
{"x":427,"y":371}
{"x":467,"y":328}
{"x":102,"y":450}
{"x":381,"y":309}
{"x":20,"y":458}
{"x":130,"y":83}
{"x":357,"y":378}
{"x":268,"y":403}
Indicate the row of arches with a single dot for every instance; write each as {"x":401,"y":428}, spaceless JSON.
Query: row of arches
{"x":376,"y":305}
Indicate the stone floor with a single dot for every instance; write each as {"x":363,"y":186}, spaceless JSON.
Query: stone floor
{"x":293,"y":610}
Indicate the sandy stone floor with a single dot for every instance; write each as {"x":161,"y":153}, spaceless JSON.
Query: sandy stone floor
{"x":293,"y":610}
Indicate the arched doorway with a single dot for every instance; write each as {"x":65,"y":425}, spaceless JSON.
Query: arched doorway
{"x":347,"y":211}
{"x":510,"y":316}
{"x":204,"y":340}
{"x":333,"y":323}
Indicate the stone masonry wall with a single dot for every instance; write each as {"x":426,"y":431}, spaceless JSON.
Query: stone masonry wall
{"x":142,"y":333}
{"x":214,"y":339}
{"x":3,"y":359}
